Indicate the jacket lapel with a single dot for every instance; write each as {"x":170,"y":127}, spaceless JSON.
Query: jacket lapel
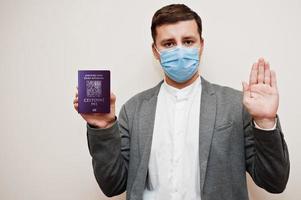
{"x":147,"y":119}
{"x":146,"y":126}
{"x":207,"y":121}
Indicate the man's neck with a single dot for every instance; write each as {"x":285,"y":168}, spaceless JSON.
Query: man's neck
{"x":181,"y":85}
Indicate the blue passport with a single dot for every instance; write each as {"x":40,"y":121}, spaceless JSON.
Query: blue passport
{"x":93,"y":91}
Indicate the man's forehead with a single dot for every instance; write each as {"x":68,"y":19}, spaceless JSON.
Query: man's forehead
{"x":180,"y":29}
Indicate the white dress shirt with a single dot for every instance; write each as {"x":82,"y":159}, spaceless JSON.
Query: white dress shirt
{"x":174,"y":160}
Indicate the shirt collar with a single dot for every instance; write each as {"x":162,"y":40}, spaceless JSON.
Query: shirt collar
{"x":184,"y":93}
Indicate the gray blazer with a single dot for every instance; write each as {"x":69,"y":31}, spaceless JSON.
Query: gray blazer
{"x":229,"y":145}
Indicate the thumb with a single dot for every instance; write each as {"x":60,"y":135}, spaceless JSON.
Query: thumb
{"x":245,"y":86}
{"x":246,"y":90}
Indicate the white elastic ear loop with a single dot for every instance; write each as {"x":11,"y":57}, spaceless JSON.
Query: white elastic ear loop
{"x":157,"y":49}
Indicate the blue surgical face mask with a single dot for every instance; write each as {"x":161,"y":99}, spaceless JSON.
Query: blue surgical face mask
{"x":180,"y":63}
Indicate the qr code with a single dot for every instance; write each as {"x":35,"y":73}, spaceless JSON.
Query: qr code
{"x":93,"y":88}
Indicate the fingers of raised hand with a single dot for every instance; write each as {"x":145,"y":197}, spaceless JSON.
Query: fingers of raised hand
{"x":273,"y":79}
{"x":261,"y":70}
{"x":267,"y":74}
{"x":253,"y":74}
{"x":261,"y":73}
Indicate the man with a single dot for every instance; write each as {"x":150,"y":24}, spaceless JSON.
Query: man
{"x":186,"y":138}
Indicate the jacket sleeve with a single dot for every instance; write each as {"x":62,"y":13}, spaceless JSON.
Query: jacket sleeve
{"x":267,"y":158}
{"x":109,"y":149}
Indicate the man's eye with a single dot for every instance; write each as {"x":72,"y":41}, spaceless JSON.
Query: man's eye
{"x":168,"y":45}
{"x":188,"y":43}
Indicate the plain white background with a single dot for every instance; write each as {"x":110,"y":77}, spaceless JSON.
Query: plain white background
{"x":43,"y":146}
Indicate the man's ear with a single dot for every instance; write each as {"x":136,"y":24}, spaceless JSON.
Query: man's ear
{"x":201,"y":47}
{"x":155,"y":52}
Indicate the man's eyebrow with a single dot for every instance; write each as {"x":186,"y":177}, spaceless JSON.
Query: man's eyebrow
{"x":167,"y":40}
{"x":189,"y":37}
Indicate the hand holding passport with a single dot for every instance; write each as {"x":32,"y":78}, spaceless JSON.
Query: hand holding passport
{"x":93,"y":99}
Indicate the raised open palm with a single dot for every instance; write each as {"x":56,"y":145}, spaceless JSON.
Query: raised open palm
{"x":261,"y":96}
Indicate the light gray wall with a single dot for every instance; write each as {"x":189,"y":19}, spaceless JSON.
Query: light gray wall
{"x":43,"y":147}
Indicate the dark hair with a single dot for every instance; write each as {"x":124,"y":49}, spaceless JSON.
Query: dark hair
{"x":172,"y":14}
